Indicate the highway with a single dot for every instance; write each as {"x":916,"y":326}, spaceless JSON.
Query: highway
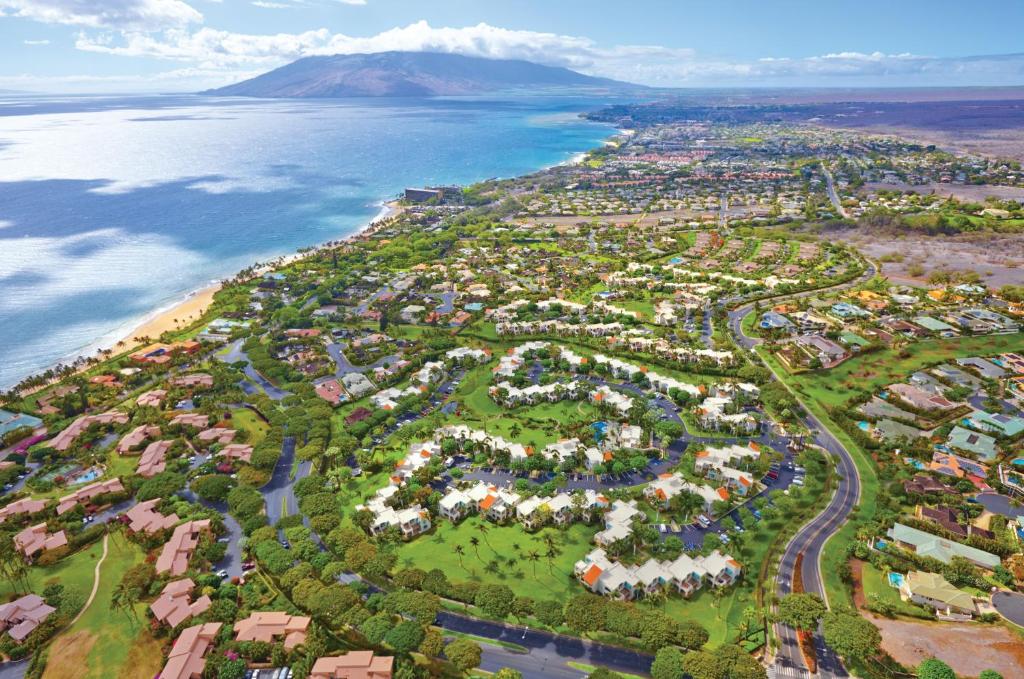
{"x":810,"y":540}
{"x":830,"y":188}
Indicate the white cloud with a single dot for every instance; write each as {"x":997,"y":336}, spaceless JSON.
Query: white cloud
{"x":116,"y":14}
{"x":352,"y":2}
{"x":270,"y":5}
{"x":35,"y":42}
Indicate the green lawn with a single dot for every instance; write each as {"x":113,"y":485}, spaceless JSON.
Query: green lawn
{"x":74,"y":572}
{"x":875,"y":370}
{"x":496,"y":559}
{"x":876,"y":583}
{"x":246,"y":420}
{"x":113,"y":635}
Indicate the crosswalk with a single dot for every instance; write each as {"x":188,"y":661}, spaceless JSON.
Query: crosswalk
{"x":780,"y":671}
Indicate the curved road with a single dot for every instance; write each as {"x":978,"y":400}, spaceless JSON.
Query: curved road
{"x":810,"y":540}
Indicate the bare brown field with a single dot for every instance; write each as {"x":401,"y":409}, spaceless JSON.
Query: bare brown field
{"x":68,"y":655}
{"x":967,"y":647}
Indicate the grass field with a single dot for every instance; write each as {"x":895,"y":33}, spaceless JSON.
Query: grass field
{"x":103,"y":643}
{"x":74,"y":572}
{"x":878,"y":369}
{"x":496,"y":559}
{"x":246,"y":420}
{"x":876,"y":584}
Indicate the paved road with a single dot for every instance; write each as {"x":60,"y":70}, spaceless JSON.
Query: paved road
{"x":344,"y":366}
{"x":830,"y":189}
{"x":16,"y":670}
{"x":811,"y":539}
{"x":1010,"y":605}
{"x":235,"y":354}
{"x":548,"y":652}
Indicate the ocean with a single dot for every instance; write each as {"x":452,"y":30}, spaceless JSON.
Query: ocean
{"x":114,"y":207}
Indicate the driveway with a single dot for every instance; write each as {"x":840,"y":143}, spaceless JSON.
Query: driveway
{"x":1010,"y":605}
{"x":999,"y":504}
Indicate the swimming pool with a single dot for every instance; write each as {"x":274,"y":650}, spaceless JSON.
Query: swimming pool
{"x":1019,"y":461}
{"x":864,"y":425}
{"x":895,"y":579}
{"x":880,"y":545}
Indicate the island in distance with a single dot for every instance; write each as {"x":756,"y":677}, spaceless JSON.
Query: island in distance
{"x":410,"y":74}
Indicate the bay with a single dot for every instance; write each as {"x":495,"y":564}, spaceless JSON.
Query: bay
{"x":113,"y":207}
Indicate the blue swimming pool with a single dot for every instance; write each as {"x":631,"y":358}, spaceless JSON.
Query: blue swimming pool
{"x":864,"y":425}
{"x":895,"y":579}
{"x":881,"y":545}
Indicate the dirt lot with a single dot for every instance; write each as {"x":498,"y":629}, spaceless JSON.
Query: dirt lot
{"x":998,"y":259}
{"x":964,"y":192}
{"x":968,"y":648}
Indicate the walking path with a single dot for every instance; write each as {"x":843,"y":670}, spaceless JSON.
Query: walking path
{"x":95,"y":582}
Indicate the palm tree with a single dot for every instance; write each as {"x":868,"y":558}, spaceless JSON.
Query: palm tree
{"x":482,"y":529}
{"x":475,"y":542}
{"x":460,"y":551}
{"x":551,"y":554}
{"x":533,"y":556}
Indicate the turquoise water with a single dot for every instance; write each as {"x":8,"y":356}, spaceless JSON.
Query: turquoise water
{"x":895,"y":579}
{"x":111,"y":208}
{"x":91,"y":474}
{"x":1019,"y":461}
{"x":863,"y":425}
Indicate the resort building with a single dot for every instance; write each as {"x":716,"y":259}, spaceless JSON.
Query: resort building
{"x":174,"y":605}
{"x":85,"y":494}
{"x":35,"y":539}
{"x":21,"y":617}
{"x":144,"y":518}
{"x":271,"y":626}
{"x":178,"y":550}
{"x":187,"y":656}
{"x":353,"y":665}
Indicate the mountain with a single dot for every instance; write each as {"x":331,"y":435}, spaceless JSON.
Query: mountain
{"x":409,"y":74}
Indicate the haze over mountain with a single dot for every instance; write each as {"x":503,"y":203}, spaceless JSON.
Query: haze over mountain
{"x":410,"y":74}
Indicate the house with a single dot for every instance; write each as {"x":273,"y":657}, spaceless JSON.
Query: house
{"x":722,"y":570}
{"x":353,"y":665}
{"x":136,"y":437}
{"x":221,"y":435}
{"x":25,"y":505}
{"x":771,"y":320}
{"x":178,"y":549}
{"x":809,"y":322}
{"x":236,"y":451}
{"x":64,"y":439}
{"x":932,"y":590}
{"x":160,"y":353}
{"x":926,"y":544}
{"x":999,"y":424}
{"x":845,"y":311}
{"x":270,"y":626}
{"x":143,"y":517}
{"x":174,"y":605}
{"x":827,"y":351}
{"x":21,"y":617}
{"x":195,"y":420}
{"x":949,"y":519}
{"x":194,"y":380}
{"x":357,"y":384}
{"x":411,"y":521}
{"x":187,"y":657}
{"x":921,"y":399}
{"x":972,"y":442}
{"x":86,"y":494}
{"x":618,"y":522}
{"x":922,"y":485}
{"x":153,"y":459}
{"x":330,"y":390}
{"x":35,"y":539}
{"x":455,"y":505}
{"x":986,"y":369}
{"x":151,"y":399}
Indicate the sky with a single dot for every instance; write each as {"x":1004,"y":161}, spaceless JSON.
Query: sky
{"x":186,"y":45}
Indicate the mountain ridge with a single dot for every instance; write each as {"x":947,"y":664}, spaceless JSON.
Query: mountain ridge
{"x":408,"y":74}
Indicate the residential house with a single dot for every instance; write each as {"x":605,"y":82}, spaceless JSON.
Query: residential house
{"x":174,"y":605}
{"x":932,"y":590}
{"x":926,"y":544}
{"x":143,"y":517}
{"x":35,"y":539}
{"x":271,"y":626}
{"x":179,"y":548}
{"x":353,"y":665}
{"x":21,"y":617}
{"x":187,"y":658}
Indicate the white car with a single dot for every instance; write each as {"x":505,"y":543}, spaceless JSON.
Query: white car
{"x":222,"y":573}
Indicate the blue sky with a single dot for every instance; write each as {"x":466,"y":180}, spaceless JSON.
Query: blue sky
{"x":174,"y":45}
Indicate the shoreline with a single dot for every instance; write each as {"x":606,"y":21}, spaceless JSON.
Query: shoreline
{"x":195,"y":303}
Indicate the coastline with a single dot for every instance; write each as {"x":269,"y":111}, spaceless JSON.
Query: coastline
{"x":194,"y":304}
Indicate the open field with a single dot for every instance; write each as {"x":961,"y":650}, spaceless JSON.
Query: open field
{"x":998,"y":259}
{"x":873,"y":371}
{"x":967,"y":647}
{"x":497,"y":559}
{"x":101,"y":640}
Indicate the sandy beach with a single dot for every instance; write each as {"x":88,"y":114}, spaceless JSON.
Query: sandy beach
{"x":181,"y":315}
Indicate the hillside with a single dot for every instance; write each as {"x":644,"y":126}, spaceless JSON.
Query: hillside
{"x":409,"y":74}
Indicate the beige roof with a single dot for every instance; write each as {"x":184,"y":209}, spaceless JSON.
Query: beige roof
{"x":178,"y":550}
{"x":266,"y":625}
{"x":23,"y":506}
{"x":136,"y":437}
{"x":153,"y":461}
{"x":186,"y":659}
{"x":86,"y":493}
{"x":35,"y":539}
{"x":21,"y":616}
{"x":152,"y":398}
{"x":144,"y":518}
{"x":353,"y":665}
{"x":174,"y":607}
{"x":64,"y":439}
{"x":217,"y":434}
{"x":197,"y":420}
{"x":237,"y":451}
